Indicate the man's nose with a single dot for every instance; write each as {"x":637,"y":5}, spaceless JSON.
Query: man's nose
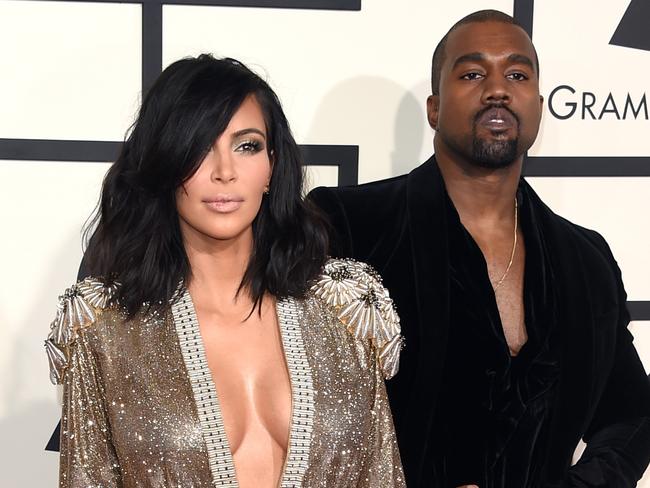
{"x":497,"y":90}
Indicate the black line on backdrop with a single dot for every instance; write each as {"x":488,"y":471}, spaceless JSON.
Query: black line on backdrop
{"x":586,"y":166}
{"x":58,"y":150}
{"x":290,"y":4}
{"x":639,"y":310}
{"x":523,"y":12}
{"x":152,"y":38}
{"x":345,"y":157}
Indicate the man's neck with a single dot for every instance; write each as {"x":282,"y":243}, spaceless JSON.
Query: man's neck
{"x":480,"y":194}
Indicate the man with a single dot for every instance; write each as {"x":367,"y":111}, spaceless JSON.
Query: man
{"x":515,"y":319}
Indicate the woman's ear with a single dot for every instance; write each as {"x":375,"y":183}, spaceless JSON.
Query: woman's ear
{"x":268,"y":182}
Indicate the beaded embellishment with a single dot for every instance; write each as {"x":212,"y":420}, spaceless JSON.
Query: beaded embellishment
{"x":77,"y":309}
{"x":363,"y":304}
{"x":205,"y":392}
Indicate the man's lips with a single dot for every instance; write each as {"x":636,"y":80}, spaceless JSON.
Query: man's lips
{"x":497,"y":119}
{"x":224,"y":203}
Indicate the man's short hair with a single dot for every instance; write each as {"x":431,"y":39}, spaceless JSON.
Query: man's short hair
{"x":480,"y":16}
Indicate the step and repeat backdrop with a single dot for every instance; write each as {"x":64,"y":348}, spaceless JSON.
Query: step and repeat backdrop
{"x":353,"y":77}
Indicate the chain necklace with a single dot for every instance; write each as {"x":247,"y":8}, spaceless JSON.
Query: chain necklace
{"x":512,"y":254}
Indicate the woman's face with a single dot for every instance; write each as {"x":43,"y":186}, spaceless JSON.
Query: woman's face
{"x":220,"y":201}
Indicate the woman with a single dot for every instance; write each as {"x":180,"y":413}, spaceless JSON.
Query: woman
{"x":218,"y":346}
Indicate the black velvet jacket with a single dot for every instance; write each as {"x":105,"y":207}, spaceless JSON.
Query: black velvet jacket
{"x":399,"y":226}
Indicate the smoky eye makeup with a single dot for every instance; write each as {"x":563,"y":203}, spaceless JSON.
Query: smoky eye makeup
{"x":248,"y":145}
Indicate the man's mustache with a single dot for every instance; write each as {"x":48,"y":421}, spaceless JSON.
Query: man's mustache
{"x":500,"y":106}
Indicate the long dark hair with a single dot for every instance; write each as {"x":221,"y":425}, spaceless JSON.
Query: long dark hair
{"x":135,"y":233}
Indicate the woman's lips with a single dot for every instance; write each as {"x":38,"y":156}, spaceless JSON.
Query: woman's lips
{"x":224,"y":204}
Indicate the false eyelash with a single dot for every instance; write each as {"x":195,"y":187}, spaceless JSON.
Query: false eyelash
{"x":255,"y":146}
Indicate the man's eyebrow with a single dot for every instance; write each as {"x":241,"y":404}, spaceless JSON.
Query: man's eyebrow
{"x":521,"y":59}
{"x":251,"y":130}
{"x":467,"y":58}
{"x":478,"y":57}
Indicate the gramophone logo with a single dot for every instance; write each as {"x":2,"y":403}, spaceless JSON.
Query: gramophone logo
{"x":634,"y":29}
{"x":566,"y":101}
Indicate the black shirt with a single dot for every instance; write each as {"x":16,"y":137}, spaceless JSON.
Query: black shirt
{"x":495,"y":410}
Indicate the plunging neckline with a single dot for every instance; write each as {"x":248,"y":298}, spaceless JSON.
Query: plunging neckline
{"x":222,"y":466}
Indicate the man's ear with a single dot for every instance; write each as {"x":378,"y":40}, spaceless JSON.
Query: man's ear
{"x":433,"y":106}
{"x":541,"y":101}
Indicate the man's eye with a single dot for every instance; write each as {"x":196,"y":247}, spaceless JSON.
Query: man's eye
{"x":249,"y":147}
{"x":517,"y":76}
{"x":472,"y":76}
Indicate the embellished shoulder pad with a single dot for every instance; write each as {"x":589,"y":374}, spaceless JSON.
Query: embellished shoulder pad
{"x":362,"y":303}
{"x":77,"y":308}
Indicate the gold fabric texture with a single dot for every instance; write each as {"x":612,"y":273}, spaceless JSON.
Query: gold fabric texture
{"x":140,"y":408}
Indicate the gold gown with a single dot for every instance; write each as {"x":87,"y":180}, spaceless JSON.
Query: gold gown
{"x":140,"y":408}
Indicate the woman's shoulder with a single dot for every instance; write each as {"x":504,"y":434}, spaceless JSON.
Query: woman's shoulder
{"x":355,"y":292}
{"x":79,"y":308}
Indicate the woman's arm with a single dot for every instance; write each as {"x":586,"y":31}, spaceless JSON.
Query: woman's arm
{"x":385,"y":467}
{"x":88,"y":457}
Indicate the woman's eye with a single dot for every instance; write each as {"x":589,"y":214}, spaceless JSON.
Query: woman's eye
{"x":249,"y":146}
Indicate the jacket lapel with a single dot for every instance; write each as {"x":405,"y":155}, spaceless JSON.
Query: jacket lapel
{"x":575,"y":326}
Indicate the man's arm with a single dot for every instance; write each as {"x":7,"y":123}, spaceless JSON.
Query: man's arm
{"x":618,"y":437}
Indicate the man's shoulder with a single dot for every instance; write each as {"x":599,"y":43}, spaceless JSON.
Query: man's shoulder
{"x":382,"y":197}
{"x":365,"y":208}
{"x":588,"y":245}
{"x":374,"y":192}
{"x":585,"y":238}
{"x":361,"y":216}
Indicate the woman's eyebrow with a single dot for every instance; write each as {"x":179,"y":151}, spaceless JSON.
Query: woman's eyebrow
{"x":250,"y":130}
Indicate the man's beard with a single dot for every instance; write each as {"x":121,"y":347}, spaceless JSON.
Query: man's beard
{"x":495,"y":154}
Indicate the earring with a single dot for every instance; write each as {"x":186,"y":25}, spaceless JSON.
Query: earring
{"x":266,"y":190}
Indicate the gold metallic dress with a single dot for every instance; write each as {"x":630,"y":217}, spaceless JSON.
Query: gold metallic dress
{"x":140,"y":408}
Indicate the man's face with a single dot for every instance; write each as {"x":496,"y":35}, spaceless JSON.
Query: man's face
{"x":489,"y":108}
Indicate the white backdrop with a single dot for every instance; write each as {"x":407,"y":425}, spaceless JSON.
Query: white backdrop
{"x":72,"y":70}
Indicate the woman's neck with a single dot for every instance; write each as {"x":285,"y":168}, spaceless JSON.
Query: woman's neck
{"x":217,"y":269}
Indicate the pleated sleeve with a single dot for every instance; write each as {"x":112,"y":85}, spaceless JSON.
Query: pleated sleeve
{"x":88,"y":458}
